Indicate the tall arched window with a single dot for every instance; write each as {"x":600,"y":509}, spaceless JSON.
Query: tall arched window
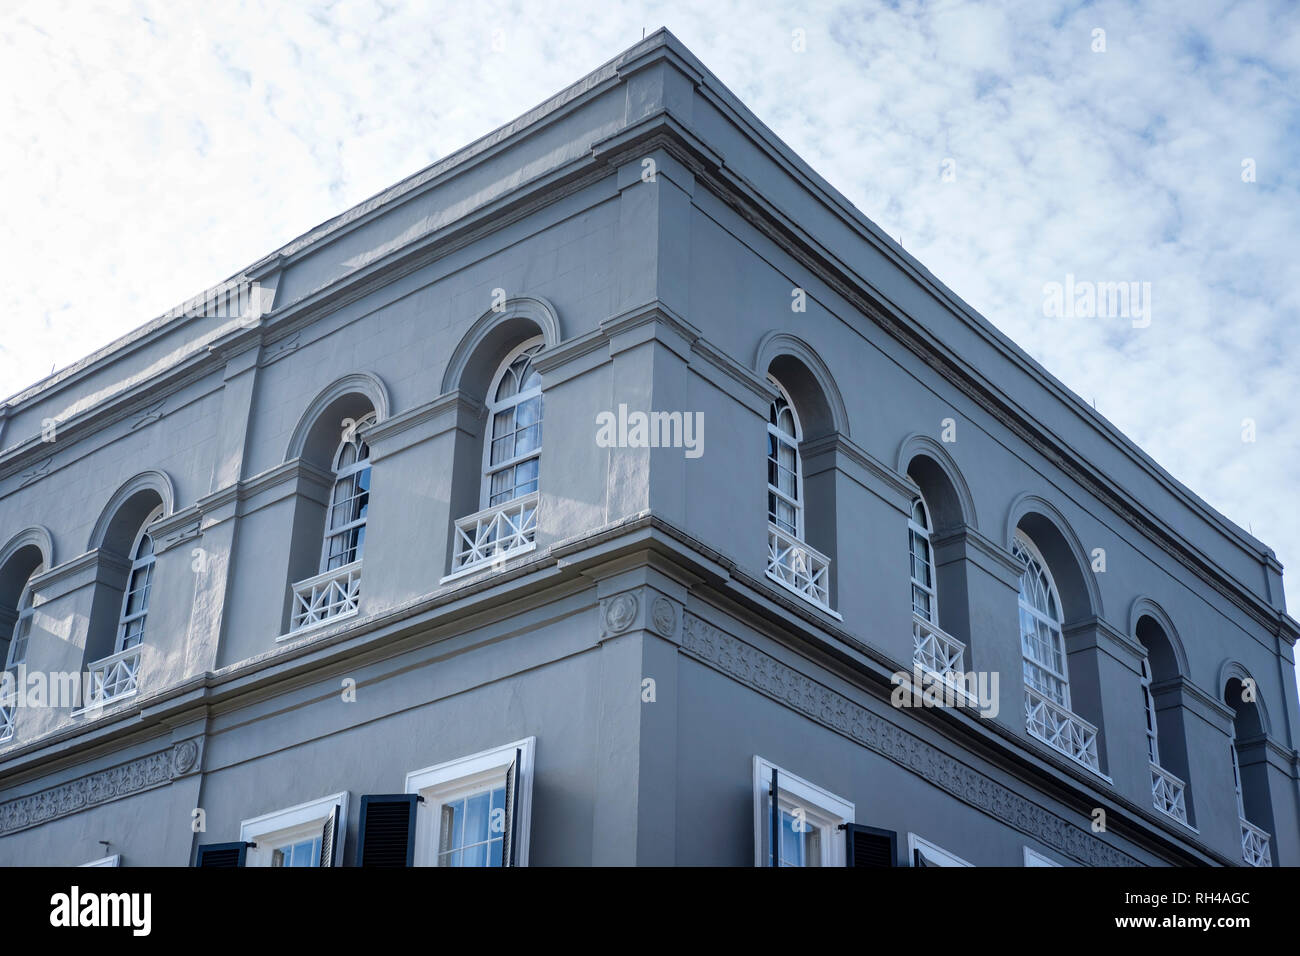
{"x":514,"y":446}
{"x":135,"y":600}
{"x":922,"y":562}
{"x":345,"y":525}
{"x":1149,"y":707}
{"x":1041,"y":642}
{"x":784,"y":469}
{"x":22,"y":628}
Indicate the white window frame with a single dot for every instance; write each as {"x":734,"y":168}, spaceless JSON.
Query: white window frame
{"x":125,"y":619}
{"x":914,"y":531}
{"x":1236,"y":778}
{"x":353,"y":436}
{"x":820,"y":807}
{"x":113,"y":860}
{"x":932,"y":851}
{"x":493,"y":408}
{"x":293,"y":824}
{"x":781,"y":437}
{"x":22,"y":624}
{"x":1027,"y":544}
{"x":1034,"y":858}
{"x":446,"y":781}
{"x":1149,"y":706}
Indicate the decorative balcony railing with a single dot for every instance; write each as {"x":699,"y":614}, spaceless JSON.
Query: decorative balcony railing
{"x":1167,"y":793}
{"x":1254,"y":845}
{"x":935,"y":650}
{"x":7,"y":714}
{"x":1062,"y":730}
{"x":114,"y":677}
{"x":800,"y":568}
{"x":495,"y":532}
{"x":328,"y":595}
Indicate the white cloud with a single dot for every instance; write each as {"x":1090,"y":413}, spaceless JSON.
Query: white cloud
{"x":151,"y":152}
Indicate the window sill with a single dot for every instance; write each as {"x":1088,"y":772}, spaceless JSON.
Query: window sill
{"x":308,"y":628}
{"x":824,"y":608}
{"x":488,"y":564}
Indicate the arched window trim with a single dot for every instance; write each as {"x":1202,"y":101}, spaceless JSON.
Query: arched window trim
{"x":131,"y":623}
{"x":776,"y":437}
{"x":352,"y":480}
{"x":496,"y":407}
{"x":921,"y":554}
{"x":1025,"y":549}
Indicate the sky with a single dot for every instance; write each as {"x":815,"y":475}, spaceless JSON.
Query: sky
{"x":150,"y":150}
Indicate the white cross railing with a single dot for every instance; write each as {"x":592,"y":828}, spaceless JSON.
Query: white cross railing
{"x":1167,"y":793}
{"x":934,"y":649}
{"x":495,"y":532}
{"x":800,"y":568}
{"x":1060,"y":729}
{"x":1254,"y":845}
{"x":328,"y":595}
{"x":7,"y":714}
{"x":114,"y":677}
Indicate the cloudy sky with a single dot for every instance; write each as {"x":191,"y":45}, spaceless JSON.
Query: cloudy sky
{"x":149,"y":150}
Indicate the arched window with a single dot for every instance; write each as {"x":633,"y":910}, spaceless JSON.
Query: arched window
{"x":924,"y":598}
{"x":514,"y":446}
{"x":1149,"y":707}
{"x":135,"y":600}
{"x":1041,"y":642}
{"x":345,"y":525}
{"x":22,"y":628}
{"x":784,"y":470}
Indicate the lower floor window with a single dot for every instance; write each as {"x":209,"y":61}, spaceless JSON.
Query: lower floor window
{"x":476,"y":809}
{"x":808,"y":820}
{"x":309,"y":834}
{"x":472,"y":830}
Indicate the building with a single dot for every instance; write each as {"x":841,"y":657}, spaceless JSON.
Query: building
{"x":375,"y":553}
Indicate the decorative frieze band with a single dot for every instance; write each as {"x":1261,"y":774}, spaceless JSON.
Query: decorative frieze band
{"x":769,"y":676}
{"x":103,"y":786}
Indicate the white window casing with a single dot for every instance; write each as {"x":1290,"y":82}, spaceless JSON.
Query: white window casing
{"x":306,"y":821}
{"x":816,"y":808}
{"x":444,"y":784}
{"x":935,"y":855}
{"x":139,"y":582}
{"x":1034,"y":858}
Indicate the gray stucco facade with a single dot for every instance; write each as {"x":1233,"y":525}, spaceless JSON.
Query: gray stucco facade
{"x":669,"y":253}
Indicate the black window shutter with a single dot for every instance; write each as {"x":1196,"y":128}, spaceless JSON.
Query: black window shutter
{"x":387,"y":829}
{"x":508,"y":843}
{"x":774,"y":815}
{"x":329,"y":835}
{"x":870,"y":846}
{"x":222,"y":854}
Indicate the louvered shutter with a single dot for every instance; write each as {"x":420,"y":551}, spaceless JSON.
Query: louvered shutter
{"x":774,"y":821}
{"x":222,"y":854}
{"x":387,"y":829}
{"x":870,"y":846}
{"x":509,"y":839}
{"x":329,"y":835}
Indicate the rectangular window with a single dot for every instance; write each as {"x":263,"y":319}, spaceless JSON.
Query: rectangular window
{"x":808,"y":824}
{"x":477,"y":809}
{"x":295,"y":836}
